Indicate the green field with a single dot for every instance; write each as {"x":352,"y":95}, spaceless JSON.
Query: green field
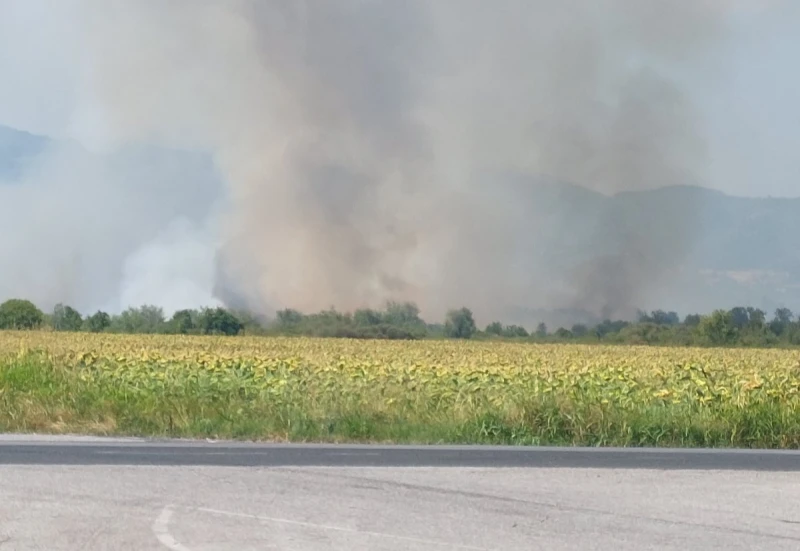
{"x":303,"y":389}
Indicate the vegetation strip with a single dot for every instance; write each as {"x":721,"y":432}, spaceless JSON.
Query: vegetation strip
{"x":303,"y":389}
{"x":740,"y":326}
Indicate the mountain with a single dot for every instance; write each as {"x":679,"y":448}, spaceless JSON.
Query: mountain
{"x":683,"y":248}
{"x":86,"y":228}
{"x":16,"y":150}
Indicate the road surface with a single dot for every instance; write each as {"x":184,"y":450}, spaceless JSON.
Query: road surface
{"x":84,"y":493}
{"x":46,"y":450}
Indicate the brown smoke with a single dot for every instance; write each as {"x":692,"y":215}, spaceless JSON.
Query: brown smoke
{"x":350,"y":134}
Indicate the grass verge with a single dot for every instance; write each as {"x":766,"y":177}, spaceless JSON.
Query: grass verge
{"x":38,"y":395}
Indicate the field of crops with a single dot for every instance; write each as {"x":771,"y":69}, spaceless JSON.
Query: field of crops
{"x":437,"y":391}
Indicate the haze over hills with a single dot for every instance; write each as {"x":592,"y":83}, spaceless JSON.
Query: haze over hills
{"x":714,"y":250}
{"x":94,"y":230}
{"x":17,"y":148}
{"x":730,"y":250}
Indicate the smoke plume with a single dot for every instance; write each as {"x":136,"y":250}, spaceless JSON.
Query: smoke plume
{"x":367,"y":147}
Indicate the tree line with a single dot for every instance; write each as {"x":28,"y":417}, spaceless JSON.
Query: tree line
{"x":740,"y":326}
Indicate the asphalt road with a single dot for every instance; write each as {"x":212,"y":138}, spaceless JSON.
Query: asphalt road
{"x":58,"y":494}
{"x":44,"y":450}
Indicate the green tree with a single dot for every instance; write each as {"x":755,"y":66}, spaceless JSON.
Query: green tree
{"x":218,"y":321}
{"x":580,"y":330}
{"x":648,"y":333}
{"x":66,"y":318}
{"x":20,"y":314}
{"x":98,"y":322}
{"x":782,"y":322}
{"x":515,"y":331}
{"x":183,"y":322}
{"x":289,"y":317}
{"x":367,"y":317}
{"x":562,"y":333}
{"x":146,"y":319}
{"x":757,"y":317}
{"x":252,"y":324}
{"x":740,"y":317}
{"x":659,"y":317}
{"x":494,"y":328}
{"x":405,"y":316}
{"x":541,"y":330}
{"x":784,"y":315}
{"x":402,"y":314}
{"x":719,"y":328}
{"x":608,"y":327}
{"x":692,"y":320}
{"x":459,"y":324}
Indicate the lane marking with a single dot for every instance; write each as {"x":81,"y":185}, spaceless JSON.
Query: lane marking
{"x":356,"y":454}
{"x":339,"y":529}
{"x":161,"y":531}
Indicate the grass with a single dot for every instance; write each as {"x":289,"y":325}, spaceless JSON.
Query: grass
{"x":41,"y":394}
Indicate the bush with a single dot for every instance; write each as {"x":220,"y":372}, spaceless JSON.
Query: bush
{"x":66,"y":318}
{"x":218,"y":321}
{"x":460,"y":324}
{"x":20,"y":314}
{"x":98,"y":322}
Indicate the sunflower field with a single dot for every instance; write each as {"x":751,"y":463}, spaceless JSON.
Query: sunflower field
{"x":303,"y":389}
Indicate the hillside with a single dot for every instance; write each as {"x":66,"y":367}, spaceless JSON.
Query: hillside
{"x":16,"y":149}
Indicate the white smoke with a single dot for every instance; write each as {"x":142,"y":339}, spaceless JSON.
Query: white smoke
{"x":174,"y":271}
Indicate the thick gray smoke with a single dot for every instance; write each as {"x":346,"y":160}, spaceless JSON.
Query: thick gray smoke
{"x":364,"y":146}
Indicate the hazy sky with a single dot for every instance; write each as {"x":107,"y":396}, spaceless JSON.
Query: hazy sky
{"x":751,"y":104}
{"x":756,"y":117}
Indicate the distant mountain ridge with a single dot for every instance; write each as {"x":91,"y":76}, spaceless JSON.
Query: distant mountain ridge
{"x":16,"y":149}
{"x":685,"y":248}
{"x":701,"y":249}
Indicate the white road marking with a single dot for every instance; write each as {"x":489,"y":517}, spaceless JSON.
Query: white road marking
{"x":161,"y":531}
{"x":338,"y":529}
{"x":357,"y":454}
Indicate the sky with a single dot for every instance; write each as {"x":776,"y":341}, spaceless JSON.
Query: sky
{"x":755,"y":112}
